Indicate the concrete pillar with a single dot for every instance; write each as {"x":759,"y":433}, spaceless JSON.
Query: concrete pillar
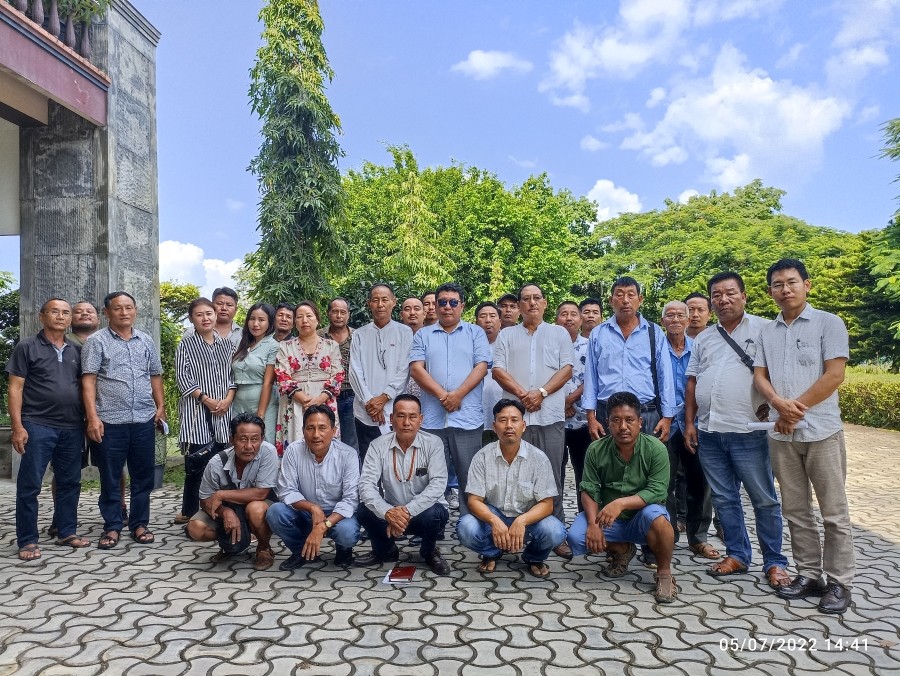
{"x":89,"y":201}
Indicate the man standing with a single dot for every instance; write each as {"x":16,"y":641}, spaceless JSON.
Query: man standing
{"x":429,"y":307}
{"x":340,"y":332}
{"x":224,"y":301}
{"x":412,"y":314}
{"x":379,"y":367}
{"x":626,"y":477}
{"x":284,"y":322}
{"x":578,"y":438}
{"x":591,"y":316}
{"x":487,"y":316}
{"x":123,"y":402}
{"x":449,"y":361}
{"x":699,"y":502}
{"x":85,"y":322}
{"x":533,"y":362}
{"x":47,"y":420}
{"x":508,"y":305}
{"x":401,"y":489}
{"x":510,"y":491}
{"x":720,"y":388}
{"x":699,"y":309}
{"x":234,"y":493}
{"x":318,"y":490}
{"x":799,"y":366}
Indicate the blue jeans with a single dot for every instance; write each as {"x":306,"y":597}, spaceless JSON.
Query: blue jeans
{"x":730,"y":459}
{"x":540,"y":538}
{"x":346,"y":419}
{"x":134,"y":444}
{"x":633,"y":530}
{"x":293,"y":527}
{"x":63,"y":447}
{"x":428,"y":525}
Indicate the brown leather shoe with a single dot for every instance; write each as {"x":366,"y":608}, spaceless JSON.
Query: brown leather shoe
{"x":777,"y":577}
{"x":564,"y":551}
{"x":727,"y":566}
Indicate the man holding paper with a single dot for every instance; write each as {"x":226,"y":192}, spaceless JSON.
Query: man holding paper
{"x":799,"y":366}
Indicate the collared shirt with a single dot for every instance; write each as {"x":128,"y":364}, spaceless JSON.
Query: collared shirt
{"x":795,"y":355}
{"x":514,"y":487}
{"x":579,"y":353}
{"x":345,"y":355}
{"x":379,"y":364}
{"x":616,"y":364}
{"x":234,"y":335}
{"x":332,"y":484}
{"x":261,"y":472}
{"x":532,"y":359}
{"x":51,"y":393}
{"x":726,"y":397}
{"x":449,"y":359}
{"x":679,"y":367}
{"x":205,"y":367}
{"x":415,"y":478}
{"x":490,"y":395}
{"x":608,"y":477}
{"x":123,"y":369}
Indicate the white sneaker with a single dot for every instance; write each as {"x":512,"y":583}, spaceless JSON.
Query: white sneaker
{"x":453,"y":499}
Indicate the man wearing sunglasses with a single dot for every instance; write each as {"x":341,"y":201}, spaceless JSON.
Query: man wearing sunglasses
{"x":449,"y":360}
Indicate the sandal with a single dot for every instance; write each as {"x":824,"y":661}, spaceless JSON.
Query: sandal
{"x":666,"y":590}
{"x":705,"y":550}
{"x":727,"y":566}
{"x":109,"y":540}
{"x":145,"y":537}
{"x":219,"y":556}
{"x":618,"y":561}
{"x":264,"y":559}
{"x":488,"y":564}
{"x":538,"y":568}
{"x":30,"y":552}
{"x":73,"y":541}
{"x":777,"y":577}
{"x":181,"y":519}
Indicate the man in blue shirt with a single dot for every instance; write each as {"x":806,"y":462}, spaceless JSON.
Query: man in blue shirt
{"x":449,"y":361}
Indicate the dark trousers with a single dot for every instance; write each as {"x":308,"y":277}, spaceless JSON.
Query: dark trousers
{"x":460,"y":446}
{"x":190,"y":498}
{"x":346,"y":418}
{"x":365,"y":435}
{"x":699,"y":502}
{"x":131,"y":444}
{"x":224,"y":538}
{"x":428,"y":525}
{"x":577,"y":442}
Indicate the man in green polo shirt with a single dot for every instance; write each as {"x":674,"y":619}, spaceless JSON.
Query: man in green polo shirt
{"x":623,"y":491}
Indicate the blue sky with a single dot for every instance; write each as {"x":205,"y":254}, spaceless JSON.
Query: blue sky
{"x":629,"y":103}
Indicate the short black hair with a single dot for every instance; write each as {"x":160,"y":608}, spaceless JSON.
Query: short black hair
{"x":380,"y":285}
{"x":485,"y":304}
{"x":225,"y":291}
{"x":319,"y":408}
{"x":52,"y":299}
{"x":341,"y":298}
{"x":451,"y":287}
{"x":86,"y":302}
{"x":112,"y":295}
{"x":246,"y":418}
{"x":507,"y":298}
{"x":697,"y":294}
{"x":427,"y":293}
{"x":525,"y":286}
{"x":406,"y":396}
{"x":624,"y":282}
{"x":566,"y":302}
{"x":786,"y":264}
{"x":285,"y":306}
{"x":623,"y":399}
{"x":590,"y":301}
{"x":724,"y":277}
{"x":503,"y":403}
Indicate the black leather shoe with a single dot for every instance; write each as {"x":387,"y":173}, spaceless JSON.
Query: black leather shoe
{"x":836,"y":599}
{"x":293,"y":562}
{"x":343,"y":558}
{"x":801,"y":587}
{"x":437,"y":562}
{"x":371,"y":559}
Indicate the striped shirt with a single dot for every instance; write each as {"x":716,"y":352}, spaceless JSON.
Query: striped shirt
{"x":123,"y":369}
{"x":204,"y":367}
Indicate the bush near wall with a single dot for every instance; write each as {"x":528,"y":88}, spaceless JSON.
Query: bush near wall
{"x":871,"y":402}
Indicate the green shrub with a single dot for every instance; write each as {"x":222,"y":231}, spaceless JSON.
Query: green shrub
{"x":871,"y":402}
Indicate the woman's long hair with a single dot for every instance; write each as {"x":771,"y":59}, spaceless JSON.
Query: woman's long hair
{"x":246,"y":337}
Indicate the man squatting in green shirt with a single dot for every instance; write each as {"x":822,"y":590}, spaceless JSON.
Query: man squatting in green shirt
{"x":623,"y":491}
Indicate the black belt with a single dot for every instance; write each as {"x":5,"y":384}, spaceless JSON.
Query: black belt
{"x":645,"y":408}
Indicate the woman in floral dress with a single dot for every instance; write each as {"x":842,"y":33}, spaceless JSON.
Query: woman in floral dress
{"x":308,"y":371}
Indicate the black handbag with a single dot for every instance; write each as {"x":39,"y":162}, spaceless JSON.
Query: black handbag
{"x":196,"y":461}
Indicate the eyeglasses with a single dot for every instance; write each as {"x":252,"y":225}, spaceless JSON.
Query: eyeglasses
{"x":675,"y":315}
{"x":791,"y":284}
{"x":452,"y":302}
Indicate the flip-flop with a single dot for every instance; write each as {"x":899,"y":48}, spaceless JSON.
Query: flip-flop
{"x":538,"y":569}
{"x":145,"y":537}
{"x":30,"y":552}
{"x":488,"y":564}
{"x":109,"y":541}
{"x":74,"y":541}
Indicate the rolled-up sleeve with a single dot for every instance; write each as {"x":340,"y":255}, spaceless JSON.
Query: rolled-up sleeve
{"x":476,"y":480}
{"x":288,"y":489}
{"x":349,"y":488}
{"x":267,"y":475}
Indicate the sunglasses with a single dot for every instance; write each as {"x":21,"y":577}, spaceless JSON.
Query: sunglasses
{"x":453,"y":302}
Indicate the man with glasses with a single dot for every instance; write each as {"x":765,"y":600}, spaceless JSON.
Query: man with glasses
{"x":340,"y":332}
{"x":532,"y":363}
{"x":449,"y":361}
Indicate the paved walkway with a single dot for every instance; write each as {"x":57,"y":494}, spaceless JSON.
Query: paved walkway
{"x":165,"y":609}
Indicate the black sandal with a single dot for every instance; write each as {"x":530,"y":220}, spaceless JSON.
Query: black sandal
{"x":108,"y":541}
{"x":145,"y":537}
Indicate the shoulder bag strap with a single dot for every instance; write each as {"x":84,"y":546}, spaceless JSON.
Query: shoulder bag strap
{"x":656,"y":399}
{"x":745,"y":358}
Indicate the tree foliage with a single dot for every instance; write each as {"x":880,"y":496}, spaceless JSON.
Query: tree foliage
{"x":174,"y":299}
{"x":886,"y":249}
{"x":296,"y":167}
{"x":9,"y":335}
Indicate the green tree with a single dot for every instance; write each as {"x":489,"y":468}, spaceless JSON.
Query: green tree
{"x":174,"y":299}
{"x":9,"y":335}
{"x":886,"y":246}
{"x":297,"y":162}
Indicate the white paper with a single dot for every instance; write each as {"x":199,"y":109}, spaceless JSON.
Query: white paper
{"x":769,"y":426}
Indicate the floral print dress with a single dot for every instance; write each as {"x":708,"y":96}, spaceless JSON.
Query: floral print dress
{"x":312,"y":374}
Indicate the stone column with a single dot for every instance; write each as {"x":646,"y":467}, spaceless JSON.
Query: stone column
{"x":89,"y":201}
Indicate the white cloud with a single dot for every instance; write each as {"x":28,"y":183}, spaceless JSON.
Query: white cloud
{"x":612,"y":200}
{"x":711,"y":11}
{"x":741,"y":123}
{"x":234,"y":205}
{"x":184,"y":262}
{"x":656,"y":97}
{"x":790,"y":57}
{"x":868,"y":114}
{"x":685,"y":196}
{"x":593,"y":144}
{"x":525,"y":164}
{"x":484,"y":65}
{"x":867,"y":29}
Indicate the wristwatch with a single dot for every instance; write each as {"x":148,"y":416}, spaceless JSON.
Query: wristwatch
{"x":544,"y":393}
{"x":328,"y":524}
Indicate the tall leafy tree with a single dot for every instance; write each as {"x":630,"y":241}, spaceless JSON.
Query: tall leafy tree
{"x":299,"y":181}
{"x":886,"y":247}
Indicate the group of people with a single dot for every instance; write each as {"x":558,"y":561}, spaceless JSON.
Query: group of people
{"x":313,"y":432}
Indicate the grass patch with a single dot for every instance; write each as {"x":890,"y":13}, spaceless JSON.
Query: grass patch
{"x":175,"y":476}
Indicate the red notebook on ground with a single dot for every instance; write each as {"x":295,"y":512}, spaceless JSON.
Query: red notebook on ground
{"x":402,"y":574}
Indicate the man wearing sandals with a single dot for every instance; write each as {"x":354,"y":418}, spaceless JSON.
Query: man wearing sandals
{"x":510,"y":493}
{"x":123,"y":403}
{"x":624,"y":489}
{"x":47,"y":424}
{"x":235,"y":491}
{"x":721,"y":397}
